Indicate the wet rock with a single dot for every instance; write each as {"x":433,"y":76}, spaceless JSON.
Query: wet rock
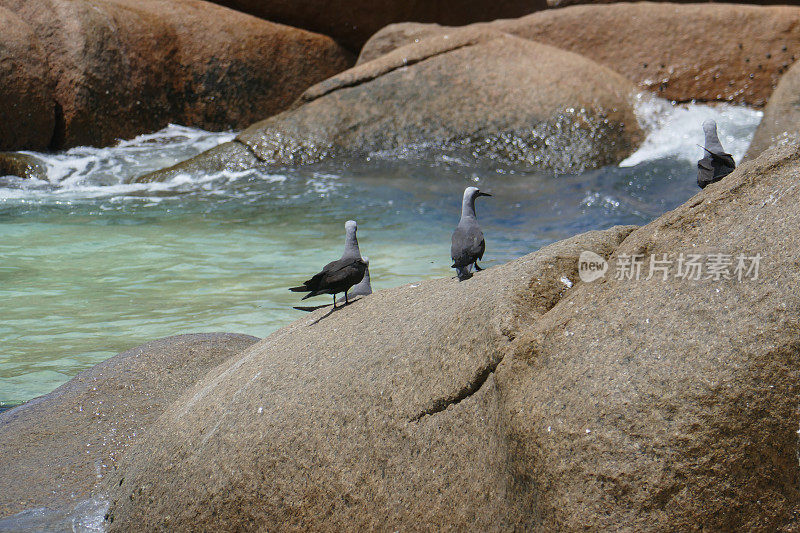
{"x":352,"y":23}
{"x":56,"y":448}
{"x":27,"y":117}
{"x":123,"y":67}
{"x":384,"y":415}
{"x":22,"y":165}
{"x":706,"y":52}
{"x":231,"y":156}
{"x":482,"y":93}
{"x":781,"y":121}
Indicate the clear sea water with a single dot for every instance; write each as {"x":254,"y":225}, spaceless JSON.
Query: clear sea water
{"x":91,"y":266}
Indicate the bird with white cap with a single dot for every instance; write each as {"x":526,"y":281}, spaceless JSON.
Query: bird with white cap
{"x":340,"y":275}
{"x":467,"y":244}
{"x":716,"y":163}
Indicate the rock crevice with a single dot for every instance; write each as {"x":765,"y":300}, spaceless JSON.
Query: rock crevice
{"x":440,"y":404}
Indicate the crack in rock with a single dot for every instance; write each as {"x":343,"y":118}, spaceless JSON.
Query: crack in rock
{"x":465,"y":392}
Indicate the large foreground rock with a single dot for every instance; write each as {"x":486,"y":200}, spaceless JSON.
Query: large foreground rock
{"x":481,"y":92}
{"x":384,"y":415}
{"x":512,"y":401}
{"x":681,"y":52}
{"x":353,"y":22}
{"x":27,"y":108}
{"x":781,"y":121}
{"x":672,"y":405}
{"x":55,"y":449}
{"x":118,"y":68}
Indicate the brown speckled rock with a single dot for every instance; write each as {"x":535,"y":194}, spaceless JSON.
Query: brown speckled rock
{"x":27,"y":108}
{"x":352,"y":22}
{"x":480,"y":92}
{"x":513,"y":401}
{"x":384,"y":415}
{"x":565,"y":3}
{"x":56,"y":448}
{"x":124,"y":67}
{"x":672,"y":405}
{"x":682,"y":52}
{"x":781,"y":121}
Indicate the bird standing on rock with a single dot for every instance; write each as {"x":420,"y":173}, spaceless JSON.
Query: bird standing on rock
{"x":338,"y":276}
{"x":364,"y":288}
{"x":467,"y":245}
{"x":716,"y":164}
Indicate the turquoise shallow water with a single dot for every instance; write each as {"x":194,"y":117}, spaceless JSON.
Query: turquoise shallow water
{"x":91,"y":266}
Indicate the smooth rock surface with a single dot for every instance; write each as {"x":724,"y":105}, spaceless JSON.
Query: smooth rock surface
{"x":781,"y":121}
{"x":511,"y":401}
{"x":382,"y":415}
{"x":675,"y":401}
{"x":353,"y":22}
{"x":681,"y":52}
{"x":27,"y":118}
{"x":479,"y":92}
{"x":55,"y":449}
{"x":120,"y":68}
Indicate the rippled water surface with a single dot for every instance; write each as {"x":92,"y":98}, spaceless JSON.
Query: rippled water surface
{"x":92,"y":266}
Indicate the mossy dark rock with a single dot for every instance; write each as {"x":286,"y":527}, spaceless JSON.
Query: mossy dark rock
{"x":231,"y":156}
{"x":22,"y":165}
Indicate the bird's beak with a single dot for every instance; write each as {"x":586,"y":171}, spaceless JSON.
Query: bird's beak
{"x":483,"y":194}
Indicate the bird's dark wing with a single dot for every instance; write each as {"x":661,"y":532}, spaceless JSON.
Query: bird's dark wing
{"x":339,"y":276}
{"x":313,"y":284}
{"x":724,"y":163}
{"x":467,"y":245}
{"x":705,"y":172}
{"x":713,"y":167}
{"x":344,"y":271}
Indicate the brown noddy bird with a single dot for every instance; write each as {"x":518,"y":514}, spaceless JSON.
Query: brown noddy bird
{"x":340,"y":275}
{"x":716,"y":163}
{"x":467,"y":244}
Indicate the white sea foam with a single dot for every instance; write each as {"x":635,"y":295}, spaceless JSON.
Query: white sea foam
{"x":86,"y":172}
{"x":675,"y":130}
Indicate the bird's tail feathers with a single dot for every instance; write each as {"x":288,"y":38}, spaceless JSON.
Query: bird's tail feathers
{"x":312,"y":294}
{"x":301,"y":288}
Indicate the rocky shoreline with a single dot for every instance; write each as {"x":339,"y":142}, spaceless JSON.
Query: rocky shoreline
{"x":552,"y":89}
{"x":453,"y":404}
{"x":525,"y":398}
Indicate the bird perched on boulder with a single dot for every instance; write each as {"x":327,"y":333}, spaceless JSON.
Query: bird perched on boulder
{"x":717,"y":163}
{"x":467,"y":245}
{"x":338,"y":276}
{"x":364,"y":288}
